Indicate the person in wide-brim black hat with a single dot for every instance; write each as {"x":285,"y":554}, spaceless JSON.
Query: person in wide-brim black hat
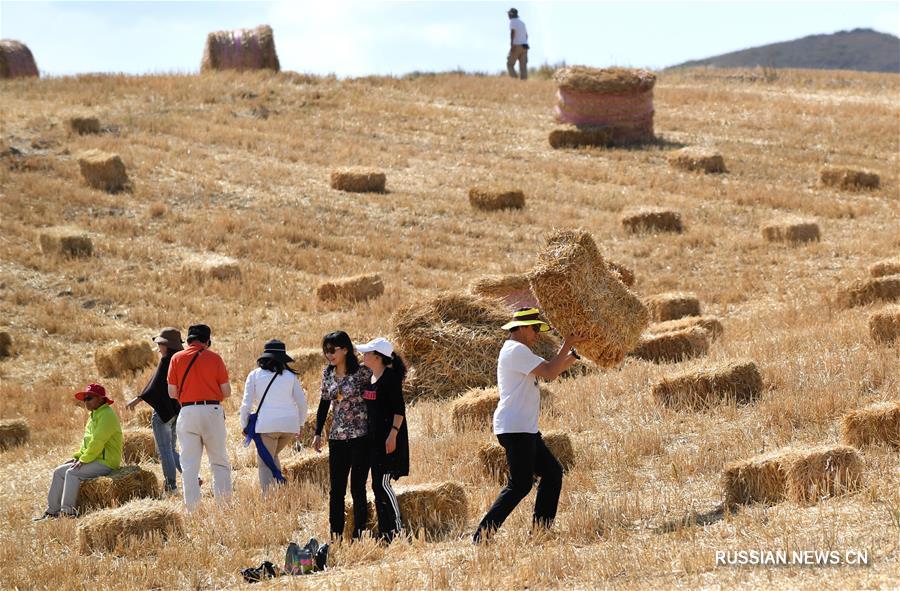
{"x":276,"y":350}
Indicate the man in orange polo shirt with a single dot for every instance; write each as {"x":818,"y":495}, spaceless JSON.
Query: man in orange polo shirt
{"x":198,"y":379}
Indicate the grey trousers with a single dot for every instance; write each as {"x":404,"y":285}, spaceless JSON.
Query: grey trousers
{"x":66,"y":482}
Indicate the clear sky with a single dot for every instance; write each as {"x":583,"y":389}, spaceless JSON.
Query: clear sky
{"x":375,"y":37}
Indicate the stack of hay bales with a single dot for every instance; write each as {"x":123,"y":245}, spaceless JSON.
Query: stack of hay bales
{"x":6,"y":348}
{"x":673,"y":345}
{"x":493,"y":455}
{"x":13,"y":432}
{"x":105,"y":530}
{"x":868,"y":291}
{"x":710,"y":324}
{"x":121,"y":486}
{"x":351,"y":289}
{"x":513,"y":289}
{"x":603,"y":107}
{"x":307,"y":359}
{"x":240,"y":49}
{"x":433,"y":510}
{"x":652,"y":219}
{"x":211,"y":266}
{"x":672,"y":306}
{"x":475,"y":409}
{"x":84,"y":125}
{"x":790,"y":230}
{"x":311,"y":468}
{"x":103,"y":170}
{"x":801,"y":475}
{"x":884,"y":325}
{"x":848,"y":178}
{"x":138,"y":445}
{"x":358,"y":179}
{"x":873,"y":425}
{"x":16,"y":60}
{"x":491,"y":199}
{"x":580,"y":296}
{"x":885,"y":267}
{"x":66,"y":241}
{"x":124,"y":357}
{"x":696,"y":159}
{"x":693,"y":390}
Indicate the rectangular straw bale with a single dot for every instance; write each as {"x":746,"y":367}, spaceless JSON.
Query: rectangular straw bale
{"x":308,"y":467}
{"x":351,"y":289}
{"x":6,"y":348}
{"x":308,"y":431}
{"x":760,"y":479}
{"x":120,"y":486}
{"x":884,"y":325}
{"x":493,"y":456}
{"x":513,"y":289}
{"x":241,"y":49}
{"x":873,"y":425}
{"x":358,"y":179}
{"x":493,"y":199}
{"x":138,"y":445}
{"x":579,"y":295}
{"x":141,"y":416}
{"x":710,"y":324}
{"x":673,"y":346}
{"x":66,"y":241}
{"x":825,"y":471}
{"x":106,"y":531}
{"x":885,"y":267}
{"x":13,"y":432}
{"x":103,"y":170}
{"x":307,"y":359}
{"x":868,"y":291}
{"x":672,"y":306}
{"x":652,"y":219}
{"x":211,"y":267}
{"x":696,"y":389}
{"x":581,"y":136}
{"x":475,"y":409}
{"x":790,"y":231}
{"x":698,"y":160}
{"x":84,"y":125}
{"x":848,"y":178}
{"x":621,"y":272}
{"x":121,"y":358}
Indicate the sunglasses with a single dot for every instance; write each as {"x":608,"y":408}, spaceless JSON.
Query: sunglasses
{"x":88,"y":398}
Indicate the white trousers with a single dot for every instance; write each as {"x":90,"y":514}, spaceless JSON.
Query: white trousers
{"x":199,"y":427}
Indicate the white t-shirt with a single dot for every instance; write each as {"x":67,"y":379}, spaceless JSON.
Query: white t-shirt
{"x":520,"y":399}
{"x":285,"y":407}
{"x":520,"y":37}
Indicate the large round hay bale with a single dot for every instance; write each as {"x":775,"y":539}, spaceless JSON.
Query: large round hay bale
{"x":122,"y":485}
{"x":884,"y":325}
{"x":351,"y":289}
{"x":13,"y":432}
{"x":16,"y":60}
{"x":696,"y":389}
{"x":848,"y":178}
{"x":873,"y":425}
{"x":66,"y":241}
{"x":697,"y":159}
{"x":790,"y":230}
{"x":579,"y":295}
{"x":710,"y":324}
{"x":672,"y":306}
{"x":84,"y":125}
{"x":869,"y":291}
{"x":358,"y":179}
{"x":885,"y":267}
{"x":241,"y":49}
{"x":672,"y":346}
{"x":138,"y":446}
{"x":6,"y":344}
{"x":493,"y":455}
{"x":475,"y":409}
{"x":122,"y":358}
{"x":651,"y":219}
{"x":211,"y":267}
{"x":826,"y":471}
{"x":105,"y":531}
{"x":103,"y":170}
{"x":488,"y":199}
{"x":311,"y":468}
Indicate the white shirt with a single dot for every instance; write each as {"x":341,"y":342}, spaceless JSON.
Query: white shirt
{"x":285,"y":407}
{"x":520,"y":37}
{"x":520,"y":399}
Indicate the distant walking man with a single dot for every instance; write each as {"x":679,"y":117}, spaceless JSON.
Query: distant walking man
{"x":518,"y":46}
{"x":197,"y":378}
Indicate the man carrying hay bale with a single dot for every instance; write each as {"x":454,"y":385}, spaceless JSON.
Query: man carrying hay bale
{"x":518,"y":46}
{"x":100,"y":454}
{"x":516,"y":422}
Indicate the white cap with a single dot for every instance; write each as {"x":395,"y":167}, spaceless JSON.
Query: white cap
{"x":381,"y":344}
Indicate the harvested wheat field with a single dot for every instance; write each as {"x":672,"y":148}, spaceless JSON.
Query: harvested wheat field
{"x":208,"y":179}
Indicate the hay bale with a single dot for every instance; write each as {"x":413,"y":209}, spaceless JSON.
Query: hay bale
{"x":790,"y":231}
{"x":621,"y":272}
{"x":884,"y":325}
{"x":873,"y":425}
{"x":358,"y":179}
{"x":351,"y":289}
{"x":16,"y":60}
{"x":141,"y":417}
{"x":672,"y":346}
{"x":696,"y":389}
{"x":124,"y":357}
{"x":672,"y":306}
{"x":514,"y":290}
{"x":604,"y":80}
{"x":66,"y":241}
{"x":211,"y":267}
{"x":105,"y":530}
{"x":475,"y":409}
{"x":311,"y":468}
{"x":826,"y":471}
{"x":493,"y":199}
{"x":579,"y":295}
{"x":13,"y":432}
{"x":885,"y":267}
{"x":6,"y":348}
{"x":710,"y":324}
{"x":120,"y":486}
{"x":84,"y":125}
{"x":651,"y":219}
{"x":103,"y":170}
{"x":697,"y":160}
{"x":241,"y":49}
{"x":848,"y":178}
{"x":760,"y":479}
{"x":138,"y":446}
{"x":307,"y":359}
{"x":308,"y":431}
{"x":493,"y":455}
{"x":868,"y":291}
{"x":583,"y":136}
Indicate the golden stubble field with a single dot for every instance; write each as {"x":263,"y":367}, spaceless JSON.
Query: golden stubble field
{"x":239,"y":165}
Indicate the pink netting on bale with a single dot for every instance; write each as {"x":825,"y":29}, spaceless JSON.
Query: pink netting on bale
{"x":16,"y":60}
{"x":241,"y":49}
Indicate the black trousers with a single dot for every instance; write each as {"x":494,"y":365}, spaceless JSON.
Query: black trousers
{"x":348,"y":457}
{"x":527,"y":456}
{"x":386,"y":506}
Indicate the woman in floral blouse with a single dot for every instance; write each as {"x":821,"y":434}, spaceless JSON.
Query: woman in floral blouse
{"x":343,"y":383}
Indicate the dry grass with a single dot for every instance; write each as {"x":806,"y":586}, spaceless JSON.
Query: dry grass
{"x":672,"y":306}
{"x":13,"y":432}
{"x":495,"y":199}
{"x":103,"y":170}
{"x":111,"y":530}
{"x":790,"y":231}
{"x":885,"y":267}
{"x":358,"y":179}
{"x":121,"y":358}
{"x":695,"y":159}
{"x":736,"y":381}
{"x":848,"y":178}
{"x":652,"y":219}
{"x":138,"y":446}
{"x":673,"y":345}
{"x":351,"y":289}
{"x":876,"y":424}
{"x":863,"y":292}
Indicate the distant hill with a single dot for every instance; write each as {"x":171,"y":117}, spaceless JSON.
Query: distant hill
{"x":860,"y":49}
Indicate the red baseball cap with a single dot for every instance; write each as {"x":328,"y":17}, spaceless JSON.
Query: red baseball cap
{"x":95,"y":390}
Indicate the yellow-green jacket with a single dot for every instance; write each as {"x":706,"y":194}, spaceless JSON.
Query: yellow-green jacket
{"x":102,"y":439}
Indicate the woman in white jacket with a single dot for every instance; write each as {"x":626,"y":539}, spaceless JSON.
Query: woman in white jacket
{"x":284,"y":410}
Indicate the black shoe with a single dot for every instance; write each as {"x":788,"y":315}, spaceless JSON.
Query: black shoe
{"x":46,"y":515}
{"x":266,"y":570}
{"x":322,"y":557}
